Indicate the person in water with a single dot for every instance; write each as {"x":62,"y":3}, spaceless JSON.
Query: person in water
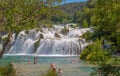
{"x":35,"y":60}
{"x":60,"y":72}
{"x":52,"y":67}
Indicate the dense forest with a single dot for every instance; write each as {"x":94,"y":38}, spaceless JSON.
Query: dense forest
{"x":71,"y":8}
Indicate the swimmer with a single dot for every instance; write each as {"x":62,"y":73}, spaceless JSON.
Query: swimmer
{"x":60,"y":72}
{"x":53,"y":67}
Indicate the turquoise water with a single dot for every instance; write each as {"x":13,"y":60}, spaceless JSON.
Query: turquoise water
{"x":78,"y":68}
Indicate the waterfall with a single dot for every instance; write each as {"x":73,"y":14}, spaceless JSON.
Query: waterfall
{"x":51,"y":41}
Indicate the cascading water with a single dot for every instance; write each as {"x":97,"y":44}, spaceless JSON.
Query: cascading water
{"x":49,"y":41}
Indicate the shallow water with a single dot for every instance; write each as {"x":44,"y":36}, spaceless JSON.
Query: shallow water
{"x":70,"y":68}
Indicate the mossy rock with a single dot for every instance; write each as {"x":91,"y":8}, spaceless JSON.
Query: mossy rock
{"x":41,"y":36}
{"x":65,"y":30}
{"x":26,"y":31}
{"x":39,"y":29}
{"x":36,"y":43}
{"x":4,"y":39}
{"x":57,"y":35}
{"x":73,"y":26}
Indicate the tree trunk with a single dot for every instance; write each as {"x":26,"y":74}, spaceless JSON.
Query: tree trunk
{"x":5,"y":45}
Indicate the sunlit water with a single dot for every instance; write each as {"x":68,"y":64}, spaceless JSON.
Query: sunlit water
{"x":70,"y":68}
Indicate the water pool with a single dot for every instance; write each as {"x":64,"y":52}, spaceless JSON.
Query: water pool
{"x":70,"y":68}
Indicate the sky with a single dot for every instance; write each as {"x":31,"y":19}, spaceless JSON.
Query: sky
{"x":70,"y":1}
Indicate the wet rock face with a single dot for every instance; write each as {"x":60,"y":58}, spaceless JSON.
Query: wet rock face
{"x":50,"y":41}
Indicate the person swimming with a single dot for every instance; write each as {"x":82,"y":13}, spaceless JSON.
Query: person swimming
{"x":52,"y":67}
{"x":35,"y":60}
{"x":60,"y":72}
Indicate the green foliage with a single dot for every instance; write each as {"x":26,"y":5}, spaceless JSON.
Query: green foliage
{"x":17,"y":15}
{"x":88,"y":36}
{"x":4,"y":39}
{"x":84,"y":16}
{"x":65,"y":30}
{"x":85,"y":24}
{"x":7,"y":70}
{"x":71,"y":8}
{"x":104,"y":16}
{"x":98,"y":56}
{"x":51,"y":73}
{"x":96,"y":46}
{"x":59,"y":17}
{"x":46,"y":23}
{"x":107,"y":70}
{"x":107,"y":20}
{"x":14,"y":16}
{"x":114,"y":61}
{"x":95,"y":52}
{"x":85,"y":52}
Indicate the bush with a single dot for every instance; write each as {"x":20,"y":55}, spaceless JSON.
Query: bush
{"x":95,"y":46}
{"x":107,"y":70}
{"x":84,"y":53}
{"x":51,"y":73}
{"x":7,"y":70}
{"x":99,"y":56}
{"x":94,"y":52}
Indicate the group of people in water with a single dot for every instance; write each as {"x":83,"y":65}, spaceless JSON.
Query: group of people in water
{"x":52,"y":66}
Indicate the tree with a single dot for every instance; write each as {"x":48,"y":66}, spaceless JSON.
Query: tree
{"x":17,"y":15}
{"x":95,"y":52}
{"x":85,"y":13}
{"x":107,"y":20}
